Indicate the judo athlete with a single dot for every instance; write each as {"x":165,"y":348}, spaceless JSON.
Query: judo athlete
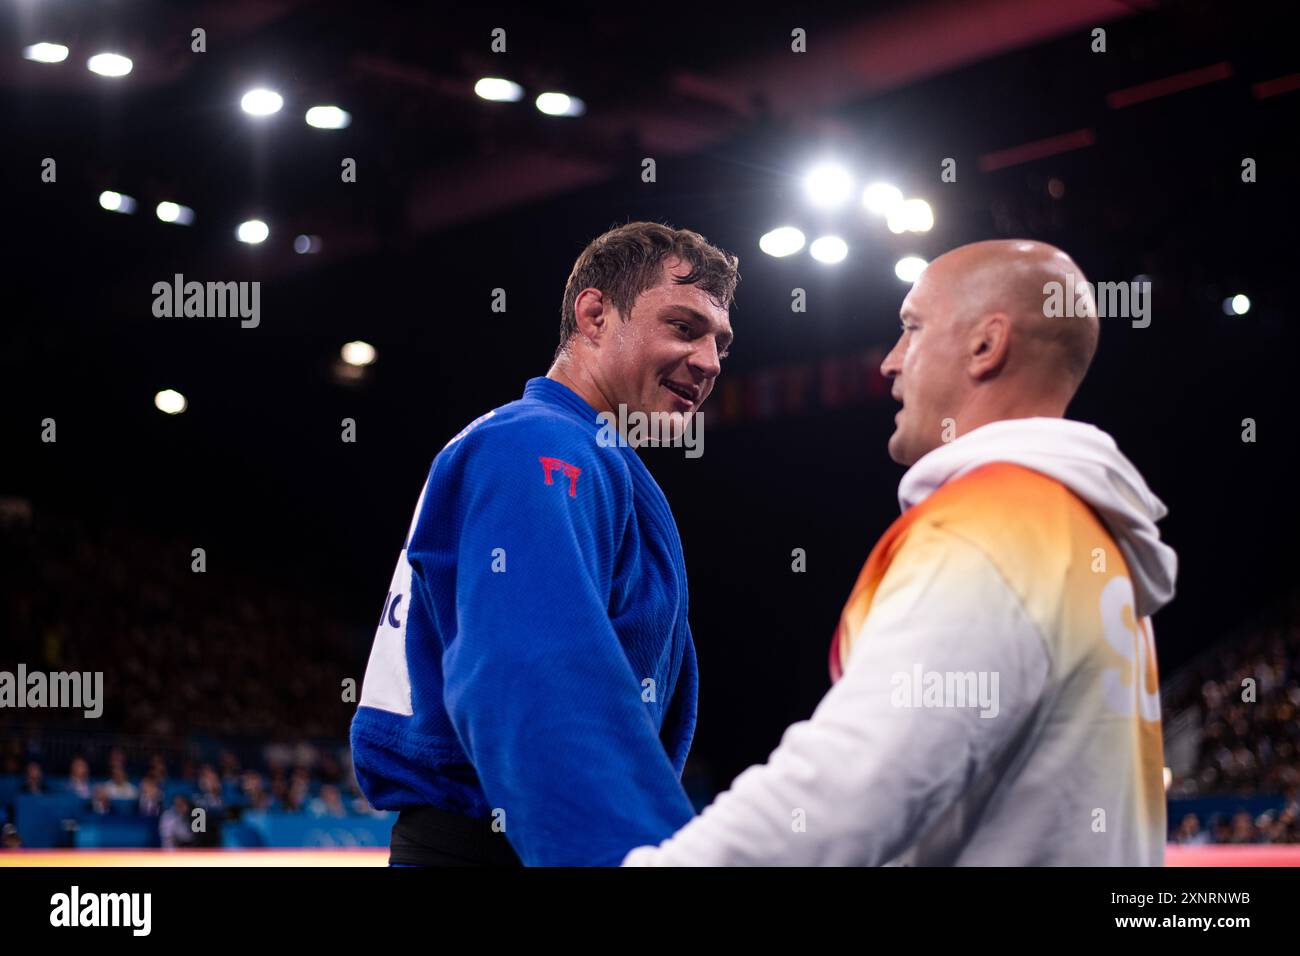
{"x":531,"y":692}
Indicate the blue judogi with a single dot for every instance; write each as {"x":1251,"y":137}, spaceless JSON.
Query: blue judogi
{"x":534,"y":663}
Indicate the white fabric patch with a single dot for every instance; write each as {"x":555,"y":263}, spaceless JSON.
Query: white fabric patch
{"x":388,"y":680}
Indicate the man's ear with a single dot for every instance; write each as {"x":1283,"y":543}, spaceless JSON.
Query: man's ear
{"x":990,"y":343}
{"x":593,"y":312}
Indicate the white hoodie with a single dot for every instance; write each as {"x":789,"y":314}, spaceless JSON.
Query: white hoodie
{"x":998,"y":703}
{"x":1084,"y":459}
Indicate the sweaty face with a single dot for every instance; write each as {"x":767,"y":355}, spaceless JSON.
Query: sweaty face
{"x":667,"y":355}
{"x":927,"y":366}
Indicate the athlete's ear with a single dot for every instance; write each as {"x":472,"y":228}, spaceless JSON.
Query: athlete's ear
{"x":989,"y":343}
{"x":593,"y":311}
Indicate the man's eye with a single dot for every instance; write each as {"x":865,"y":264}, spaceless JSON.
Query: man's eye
{"x":723,"y":354}
{"x":682,"y":327}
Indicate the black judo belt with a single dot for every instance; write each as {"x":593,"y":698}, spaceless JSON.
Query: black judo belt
{"x":427,"y":836}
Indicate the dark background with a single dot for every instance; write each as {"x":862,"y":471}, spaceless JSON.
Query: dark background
{"x":456,"y":197}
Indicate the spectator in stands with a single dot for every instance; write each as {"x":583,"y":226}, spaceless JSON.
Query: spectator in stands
{"x":1289,"y":821}
{"x":34,"y":780}
{"x":99,"y":799}
{"x":1189,"y":832}
{"x":299,"y":798}
{"x":255,"y":796}
{"x":174,"y":826}
{"x":210,"y":796}
{"x":9,"y":838}
{"x":1243,"y":828}
{"x":279,"y":785}
{"x":119,"y":786}
{"x":295,"y":800}
{"x":1269,"y":829}
{"x":328,"y":804}
{"x":229,"y":765}
{"x":151,"y":798}
{"x":79,"y":778}
{"x":158,"y":770}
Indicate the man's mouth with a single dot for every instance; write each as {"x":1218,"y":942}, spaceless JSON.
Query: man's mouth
{"x":690,"y":394}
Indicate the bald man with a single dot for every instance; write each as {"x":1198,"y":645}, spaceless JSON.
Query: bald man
{"x":995,"y":699}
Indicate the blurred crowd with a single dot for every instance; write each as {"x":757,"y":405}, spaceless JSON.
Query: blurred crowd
{"x":181,"y":651}
{"x":186,"y":656}
{"x":1248,"y":694}
{"x":288,"y":778}
{"x":1271,"y":826}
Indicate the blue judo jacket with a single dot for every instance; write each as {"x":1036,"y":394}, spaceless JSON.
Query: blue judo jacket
{"x":533,"y":662}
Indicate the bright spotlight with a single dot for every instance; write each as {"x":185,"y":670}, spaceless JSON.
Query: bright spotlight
{"x":882,"y":198}
{"x":829,"y":249}
{"x":328,"y":117}
{"x":261,"y":102}
{"x":828,"y":185}
{"x":175,"y":212}
{"x":560,"y":104}
{"x":913,"y":215}
{"x":782,"y":241}
{"x":919,"y":215}
{"x":252,"y":232}
{"x":109,"y":64}
{"x":170,"y":401}
{"x":358,"y":353}
{"x":46,"y":52}
{"x":116,"y":202}
{"x":1236,"y":305}
{"x":909,"y":268}
{"x":501,"y":91}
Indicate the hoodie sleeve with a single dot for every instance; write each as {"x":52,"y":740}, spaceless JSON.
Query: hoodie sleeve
{"x":874,"y":767}
{"x":538,"y":686}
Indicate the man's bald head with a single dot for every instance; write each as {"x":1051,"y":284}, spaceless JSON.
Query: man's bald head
{"x":978,"y":344}
{"x":1014,"y":276}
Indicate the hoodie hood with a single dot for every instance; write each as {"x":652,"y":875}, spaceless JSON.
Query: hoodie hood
{"x":1084,"y":459}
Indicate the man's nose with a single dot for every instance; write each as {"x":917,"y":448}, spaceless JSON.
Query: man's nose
{"x":891,"y":365}
{"x":705,"y":359}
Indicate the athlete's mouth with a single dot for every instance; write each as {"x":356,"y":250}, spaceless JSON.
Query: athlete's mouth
{"x":688,"y":393}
